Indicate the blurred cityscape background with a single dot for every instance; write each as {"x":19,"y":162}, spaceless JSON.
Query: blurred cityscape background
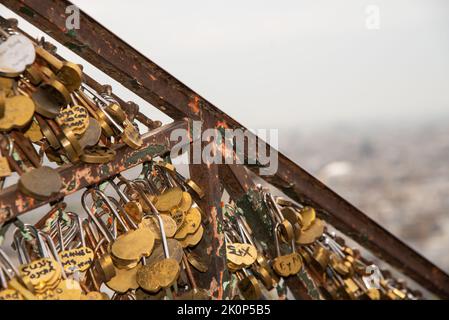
{"x":399,"y":176}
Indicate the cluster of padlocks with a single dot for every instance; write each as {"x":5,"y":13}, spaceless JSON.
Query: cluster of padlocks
{"x":140,"y":238}
{"x":44,"y":103}
{"x":298,"y":243}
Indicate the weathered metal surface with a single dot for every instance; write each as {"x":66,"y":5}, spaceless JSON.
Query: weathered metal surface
{"x":113,"y":56}
{"x":206,"y":175}
{"x":81,"y":175}
{"x":236,"y":179}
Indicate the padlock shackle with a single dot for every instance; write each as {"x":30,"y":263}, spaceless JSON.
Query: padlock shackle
{"x":78,"y":227}
{"x":42,"y":249}
{"x":117,"y":189}
{"x":104,"y":231}
{"x":148,"y":184}
{"x":51,"y":245}
{"x":147,"y":201}
{"x":117,"y":204}
{"x":276,"y":239}
{"x":6,"y":260}
{"x":101,"y":103}
{"x":243,"y":231}
{"x":19,"y":241}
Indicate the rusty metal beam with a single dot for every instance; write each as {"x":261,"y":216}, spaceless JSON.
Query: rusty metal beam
{"x":207,"y":176}
{"x":78,"y":176}
{"x":217,"y":275}
{"x":236,"y":180}
{"x":112,"y":55}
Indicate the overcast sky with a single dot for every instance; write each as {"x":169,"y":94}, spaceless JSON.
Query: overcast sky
{"x":284,"y":64}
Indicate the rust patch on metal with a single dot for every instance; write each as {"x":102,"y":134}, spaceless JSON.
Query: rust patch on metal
{"x":194,"y":105}
{"x":221,"y":124}
{"x":81,"y":175}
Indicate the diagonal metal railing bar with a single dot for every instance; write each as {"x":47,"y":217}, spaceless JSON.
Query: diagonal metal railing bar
{"x":81,"y":175}
{"x":109,"y":53}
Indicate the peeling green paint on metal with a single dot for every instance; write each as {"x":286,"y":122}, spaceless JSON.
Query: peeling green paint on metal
{"x":311,"y":287}
{"x":104,"y":170}
{"x":71,"y":186}
{"x":256,"y":213}
{"x":103,"y":185}
{"x":226,"y":289}
{"x":27,"y":11}
{"x":230,"y":287}
{"x":71,"y":33}
{"x":73,"y":46}
{"x":149,"y":151}
{"x":281,"y":289}
{"x":222,"y":251}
